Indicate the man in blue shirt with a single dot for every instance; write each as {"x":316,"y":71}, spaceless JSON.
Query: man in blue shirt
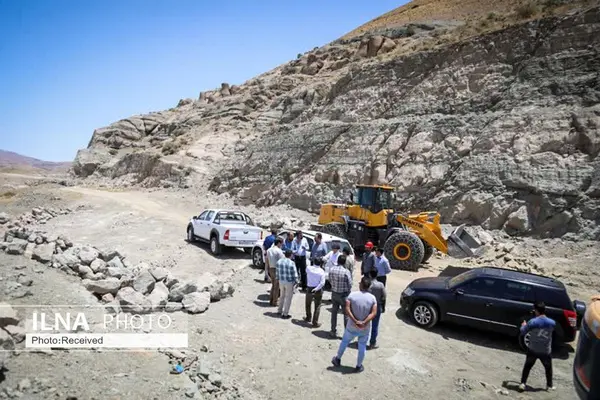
{"x":540,"y":331}
{"x":299,"y":248}
{"x":382,"y":265}
{"x":318,"y":250}
{"x":267,"y":243}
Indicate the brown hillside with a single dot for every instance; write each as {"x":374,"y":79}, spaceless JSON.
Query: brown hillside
{"x":424,"y":11}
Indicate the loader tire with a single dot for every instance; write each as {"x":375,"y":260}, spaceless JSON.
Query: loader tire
{"x":335,"y":229}
{"x":404,"y":250}
{"x":428,"y":252}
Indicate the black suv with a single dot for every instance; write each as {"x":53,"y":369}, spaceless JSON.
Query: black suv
{"x":494,"y":299}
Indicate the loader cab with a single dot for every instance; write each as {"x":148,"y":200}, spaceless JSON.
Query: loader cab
{"x":374,"y":198}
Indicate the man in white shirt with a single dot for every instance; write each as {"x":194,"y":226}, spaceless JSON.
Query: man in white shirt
{"x":331,"y":258}
{"x":315,"y":278}
{"x":274,"y":254}
{"x":299,"y":248}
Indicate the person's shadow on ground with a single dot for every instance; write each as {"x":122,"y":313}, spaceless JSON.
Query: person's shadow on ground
{"x":342,"y":369}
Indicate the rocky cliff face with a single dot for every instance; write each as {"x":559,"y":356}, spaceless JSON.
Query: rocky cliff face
{"x":501,"y":130}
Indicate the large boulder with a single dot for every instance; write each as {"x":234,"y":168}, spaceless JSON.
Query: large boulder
{"x":4,"y":218}
{"x":67,"y":258}
{"x":87,"y":161}
{"x":159,"y":273}
{"x":17,"y":247}
{"x":180,"y":289}
{"x":133,"y":301}
{"x":6,"y":341}
{"x":8,"y":316}
{"x":518,"y":221}
{"x":159,"y":296}
{"x":98,"y":265}
{"x":88,"y":254}
{"x":43,"y":252}
{"x":196,"y":302}
{"x":144,"y":282}
{"x":103,"y":286}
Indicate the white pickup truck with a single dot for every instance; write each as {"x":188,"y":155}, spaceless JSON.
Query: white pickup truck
{"x":224,"y":228}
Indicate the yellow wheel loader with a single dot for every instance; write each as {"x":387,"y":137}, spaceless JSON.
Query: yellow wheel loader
{"x":407,"y":240}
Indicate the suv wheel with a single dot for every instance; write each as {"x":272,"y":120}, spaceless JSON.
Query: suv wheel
{"x":215,"y":246}
{"x":424,"y":314}
{"x":257,"y":258}
{"x":524,"y":341}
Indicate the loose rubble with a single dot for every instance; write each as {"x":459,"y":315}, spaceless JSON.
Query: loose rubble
{"x":138,"y":289}
{"x":205,"y":378}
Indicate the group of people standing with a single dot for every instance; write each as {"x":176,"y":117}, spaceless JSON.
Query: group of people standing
{"x":287,"y":268}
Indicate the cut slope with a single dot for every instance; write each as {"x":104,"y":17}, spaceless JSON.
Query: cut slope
{"x":498,"y":129}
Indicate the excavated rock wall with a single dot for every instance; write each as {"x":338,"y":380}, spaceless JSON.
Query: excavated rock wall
{"x":502,"y":130}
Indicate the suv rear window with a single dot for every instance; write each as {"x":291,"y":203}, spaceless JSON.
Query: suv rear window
{"x":553,"y":298}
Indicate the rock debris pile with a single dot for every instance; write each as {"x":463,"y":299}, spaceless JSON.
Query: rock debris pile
{"x":107,"y":274}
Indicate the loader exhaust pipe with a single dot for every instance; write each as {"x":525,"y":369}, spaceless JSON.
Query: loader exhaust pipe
{"x":462,"y":245}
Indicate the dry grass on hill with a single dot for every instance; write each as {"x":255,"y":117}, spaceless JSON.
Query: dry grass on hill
{"x":423,"y":11}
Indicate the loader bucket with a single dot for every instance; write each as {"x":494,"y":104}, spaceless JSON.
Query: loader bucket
{"x":462,"y":245}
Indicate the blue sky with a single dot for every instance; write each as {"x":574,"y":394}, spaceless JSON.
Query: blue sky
{"x":70,"y":66}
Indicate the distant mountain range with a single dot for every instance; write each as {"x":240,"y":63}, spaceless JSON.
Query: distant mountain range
{"x":14,"y":161}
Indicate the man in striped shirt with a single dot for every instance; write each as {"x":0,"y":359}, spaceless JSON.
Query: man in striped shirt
{"x":341,"y":286}
{"x":287,"y":275}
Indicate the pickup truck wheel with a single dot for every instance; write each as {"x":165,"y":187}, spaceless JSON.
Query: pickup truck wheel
{"x":257,"y":258}
{"x":215,"y":246}
{"x":424,"y":314}
{"x":190,"y":234}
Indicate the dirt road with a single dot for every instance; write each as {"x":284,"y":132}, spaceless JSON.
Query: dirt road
{"x":271,"y":357}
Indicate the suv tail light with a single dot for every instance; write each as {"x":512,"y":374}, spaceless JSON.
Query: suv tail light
{"x":226,"y":235}
{"x":571,"y":317}
{"x":261,"y":234}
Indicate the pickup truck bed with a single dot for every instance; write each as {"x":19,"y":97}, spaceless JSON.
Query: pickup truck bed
{"x":224,"y":228}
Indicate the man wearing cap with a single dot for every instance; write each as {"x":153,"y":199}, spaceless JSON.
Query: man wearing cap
{"x":299,"y":249}
{"x":368,"y":260}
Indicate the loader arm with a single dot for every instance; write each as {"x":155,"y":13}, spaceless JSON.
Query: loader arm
{"x":427,"y":226}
